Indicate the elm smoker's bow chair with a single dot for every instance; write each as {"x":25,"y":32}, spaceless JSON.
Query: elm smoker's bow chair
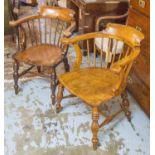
{"x":100,"y":82}
{"x":44,"y":48}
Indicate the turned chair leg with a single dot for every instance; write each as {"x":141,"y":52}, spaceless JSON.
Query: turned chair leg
{"x":59,"y":98}
{"x":66,"y":65}
{"x":125,"y":105}
{"x":16,"y":76}
{"x":53,"y":85}
{"x":95,"y":126}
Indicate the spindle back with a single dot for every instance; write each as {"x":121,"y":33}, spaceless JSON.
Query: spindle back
{"x":46,"y":27}
{"x":118,"y":47}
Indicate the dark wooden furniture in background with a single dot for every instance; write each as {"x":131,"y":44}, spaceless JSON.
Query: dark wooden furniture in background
{"x":87,"y":13}
{"x":139,"y":79}
{"x":104,"y":20}
{"x":38,"y":42}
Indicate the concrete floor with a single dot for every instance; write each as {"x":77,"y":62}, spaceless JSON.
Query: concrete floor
{"x":32,"y":127}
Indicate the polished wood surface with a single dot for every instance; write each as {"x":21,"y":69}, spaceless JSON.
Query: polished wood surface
{"x":92,"y":86}
{"x":100,"y":81}
{"x":142,"y":6}
{"x":38,"y":41}
{"x":87,"y":12}
{"x":139,"y":79}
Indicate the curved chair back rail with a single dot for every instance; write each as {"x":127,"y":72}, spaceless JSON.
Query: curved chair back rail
{"x":118,"y":58}
{"x":47,"y":27}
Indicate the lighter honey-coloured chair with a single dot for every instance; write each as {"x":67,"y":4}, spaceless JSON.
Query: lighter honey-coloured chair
{"x":38,"y":42}
{"x":101,"y":81}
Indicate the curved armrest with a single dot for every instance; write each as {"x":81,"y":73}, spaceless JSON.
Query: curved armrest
{"x":109,"y":17}
{"x":118,"y":66}
{"x":18,"y":22}
{"x":68,"y":32}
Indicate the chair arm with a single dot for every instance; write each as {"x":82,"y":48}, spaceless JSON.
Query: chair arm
{"x":68,"y":32}
{"x":109,"y":17}
{"x":119,"y":65}
{"x":18,"y":22}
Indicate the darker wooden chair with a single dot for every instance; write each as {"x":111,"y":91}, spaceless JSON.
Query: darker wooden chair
{"x":100,"y":81}
{"x":38,"y":42}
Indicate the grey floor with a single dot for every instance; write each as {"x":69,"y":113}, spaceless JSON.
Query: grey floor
{"x":32,"y":127}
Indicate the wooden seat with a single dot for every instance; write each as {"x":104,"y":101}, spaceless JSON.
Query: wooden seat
{"x":104,"y":77}
{"x":93,"y":83}
{"x":41,"y":55}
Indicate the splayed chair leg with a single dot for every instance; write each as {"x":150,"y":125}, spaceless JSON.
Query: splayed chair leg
{"x":16,"y":76}
{"x":59,"y":98}
{"x":95,"y":126}
{"x":53,"y":85}
{"x":125,"y":105}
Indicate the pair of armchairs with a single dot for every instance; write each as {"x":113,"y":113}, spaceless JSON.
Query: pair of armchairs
{"x":94,"y":84}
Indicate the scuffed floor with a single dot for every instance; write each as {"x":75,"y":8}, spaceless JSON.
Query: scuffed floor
{"x":32,"y":127}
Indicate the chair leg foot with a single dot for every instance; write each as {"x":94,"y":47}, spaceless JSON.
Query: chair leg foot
{"x":53,"y":85}
{"x":66,"y":65}
{"x":59,"y":98}
{"x":95,"y":126}
{"x":16,"y":76}
{"x":125,"y":105}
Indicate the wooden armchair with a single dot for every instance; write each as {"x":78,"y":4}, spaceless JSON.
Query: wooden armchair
{"x":38,"y":41}
{"x":101,"y":81}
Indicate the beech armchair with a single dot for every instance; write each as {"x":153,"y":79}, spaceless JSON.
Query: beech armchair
{"x":38,"y":42}
{"x":100,"y":81}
